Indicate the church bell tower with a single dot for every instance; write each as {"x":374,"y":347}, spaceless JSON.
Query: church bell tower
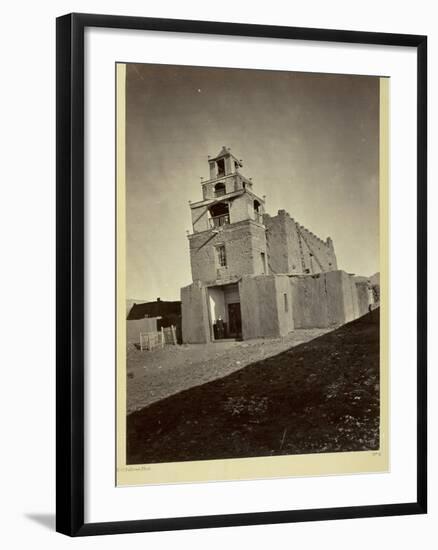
{"x":228,"y":234}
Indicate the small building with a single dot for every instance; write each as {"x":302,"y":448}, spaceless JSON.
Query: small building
{"x":166,"y":313}
{"x":256,"y":275}
{"x":159,"y":308}
{"x":136,"y":326}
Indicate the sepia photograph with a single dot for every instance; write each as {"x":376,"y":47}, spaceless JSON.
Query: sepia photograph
{"x":241,"y":273}
{"x":251,"y":266}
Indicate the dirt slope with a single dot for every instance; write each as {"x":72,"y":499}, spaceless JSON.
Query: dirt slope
{"x":321,"y":396}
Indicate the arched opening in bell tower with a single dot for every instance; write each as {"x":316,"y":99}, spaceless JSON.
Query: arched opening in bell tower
{"x":220,"y":167}
{"x":219,"y":189}
{"x":257,"y":211}
{"x":220,"y":214}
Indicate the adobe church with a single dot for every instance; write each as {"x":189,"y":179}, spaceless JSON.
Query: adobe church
{"x":256,"y":275}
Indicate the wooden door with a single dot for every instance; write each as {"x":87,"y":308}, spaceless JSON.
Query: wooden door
{"x":234,"y":321}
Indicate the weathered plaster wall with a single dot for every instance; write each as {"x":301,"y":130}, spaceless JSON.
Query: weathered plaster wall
{"x":200,"y":219}
{"x":333,"y":291}
{"x":283,"y":296}
{"x":324,"y":300}
{"x":229,"y":165}
{"x":244,"y":242}
{"x":319,"y":255}
{"x":242,"y":208}
{"x":207,"y":190}
{"x":351,"y":305}
{"x":273,"y":305}
{"x":309,"y":301}
{"x":135,"y":326}
{"x":276,"y":244}
{"x":203,"y":255}
{"x":232,"y":183}
{"x":263,"y":306}
{"x":239,"y":209}
{"x":258,"y":307}
{"x":195,"y":324}
{"x":294,"y":249}
{"x":363,"y":297}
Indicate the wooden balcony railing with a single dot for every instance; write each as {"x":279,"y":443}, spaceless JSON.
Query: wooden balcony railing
{"x":219,"y":221}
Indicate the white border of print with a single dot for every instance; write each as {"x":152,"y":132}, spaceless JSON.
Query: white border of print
{"x":105,"y":502}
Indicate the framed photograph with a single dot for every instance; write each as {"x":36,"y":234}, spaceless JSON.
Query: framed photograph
{"x":241,"y":274}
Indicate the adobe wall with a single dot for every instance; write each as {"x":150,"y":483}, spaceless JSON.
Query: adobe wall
{"x":262,"y":306}
{"x":309,"y":301}
{"x":333,"y":290}
{"x":351,"y":304}
{"x":278,"y":247}
{"x":363,"y":296}
{"x":135,"y":326}
{"x":244,"y":242}
{"x":258,"y":307}
{"x":233,"y":182}
{"x":324,"y":258}
{"x":195,"y":325}
{"x":324,"y":299}
{"x":240,"y":208}
{"x":200,"y":218}
{"x":294,"y":249}
{"x":283,"y":294}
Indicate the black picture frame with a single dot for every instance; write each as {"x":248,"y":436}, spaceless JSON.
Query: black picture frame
{"x":70,"y":273}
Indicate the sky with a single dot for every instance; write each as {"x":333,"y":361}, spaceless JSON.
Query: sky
{"x":310,"y":143}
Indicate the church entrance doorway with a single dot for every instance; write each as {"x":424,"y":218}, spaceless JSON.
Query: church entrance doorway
{"x":224,"y":311}
{"x":235,"y":320}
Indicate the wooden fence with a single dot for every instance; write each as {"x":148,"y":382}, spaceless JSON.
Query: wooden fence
{"x":158,"y":339}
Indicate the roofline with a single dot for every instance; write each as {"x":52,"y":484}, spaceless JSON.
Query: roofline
{"x":233,"y":174}
{"x":227,"y":196}
{"x":227,"y":154}
{"x":205,"y":202}
{"x":226,"y":227}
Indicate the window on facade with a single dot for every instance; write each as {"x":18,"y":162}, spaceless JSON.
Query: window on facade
{"x":257,"y":211}
{"x":221,"y":255}
{"x":262,"y":255}
{"x":220,"y":167}
{"x":286,"y":305}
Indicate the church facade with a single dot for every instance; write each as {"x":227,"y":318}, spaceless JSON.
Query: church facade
{"x":256,"y":275}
